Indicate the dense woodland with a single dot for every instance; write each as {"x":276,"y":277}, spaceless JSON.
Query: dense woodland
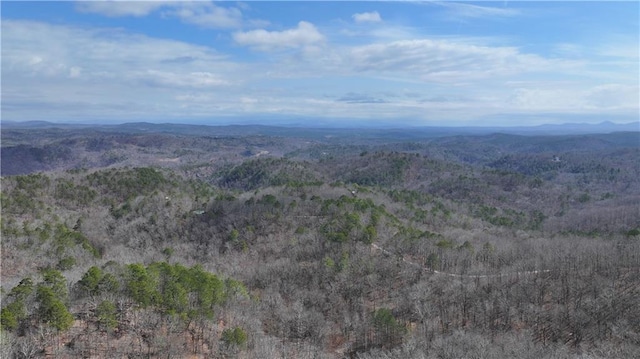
{"x":151,"y":244}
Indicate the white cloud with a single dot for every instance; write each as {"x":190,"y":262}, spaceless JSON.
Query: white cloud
{"x":208,"y":15}
{"x":200,"y":13}
{"x":447,"y":60}
{"x":613,"y":97}
{"x":304,"y":35}
{"x":118,"y":8}
{"x":629,"y":51}
{"x":36,"y":48}
{"x":75,"y":72}
{"x":172,"y":79}
{"x":367,"y":17}
{"x":544,"y":99}
{"x":575,"y":98}
{"x":464,"y":10}
{"x":66,"y":71}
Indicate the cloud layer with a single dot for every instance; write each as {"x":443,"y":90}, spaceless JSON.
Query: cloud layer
{"x":304,"y":35}
{"x":247,"y":67}
{"x":122,"y":8}
{"x":200,"y":13}
{"x":364,"y":17}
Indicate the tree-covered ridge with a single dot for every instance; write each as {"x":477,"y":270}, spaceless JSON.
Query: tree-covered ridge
{"x":105,"y":297}
{"x":265,"y":172}
{"x":127,"y":184}
{"x":177,"y":290}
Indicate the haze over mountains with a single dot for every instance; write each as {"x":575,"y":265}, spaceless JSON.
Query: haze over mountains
{"x":545,"y":129}
{"x":58,"y":144}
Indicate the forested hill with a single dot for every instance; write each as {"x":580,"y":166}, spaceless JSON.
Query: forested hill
{"x":49,"y":147}
{"x":134,"y":244}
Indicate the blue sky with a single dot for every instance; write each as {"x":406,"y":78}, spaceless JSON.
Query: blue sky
{"x":317,"y":62}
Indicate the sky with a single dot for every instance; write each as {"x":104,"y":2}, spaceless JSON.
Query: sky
{"x":312,"y":63}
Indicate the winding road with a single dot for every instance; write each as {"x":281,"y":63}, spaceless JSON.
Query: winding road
{"x":471,"y":276}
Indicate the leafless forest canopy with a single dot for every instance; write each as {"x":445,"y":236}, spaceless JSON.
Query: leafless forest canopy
{"x":256,"y":242}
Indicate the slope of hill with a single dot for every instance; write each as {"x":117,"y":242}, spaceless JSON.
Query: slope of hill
{"x":166,"y":245}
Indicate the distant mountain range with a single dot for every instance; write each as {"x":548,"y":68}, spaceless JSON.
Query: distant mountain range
{"x":331,"y":131}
